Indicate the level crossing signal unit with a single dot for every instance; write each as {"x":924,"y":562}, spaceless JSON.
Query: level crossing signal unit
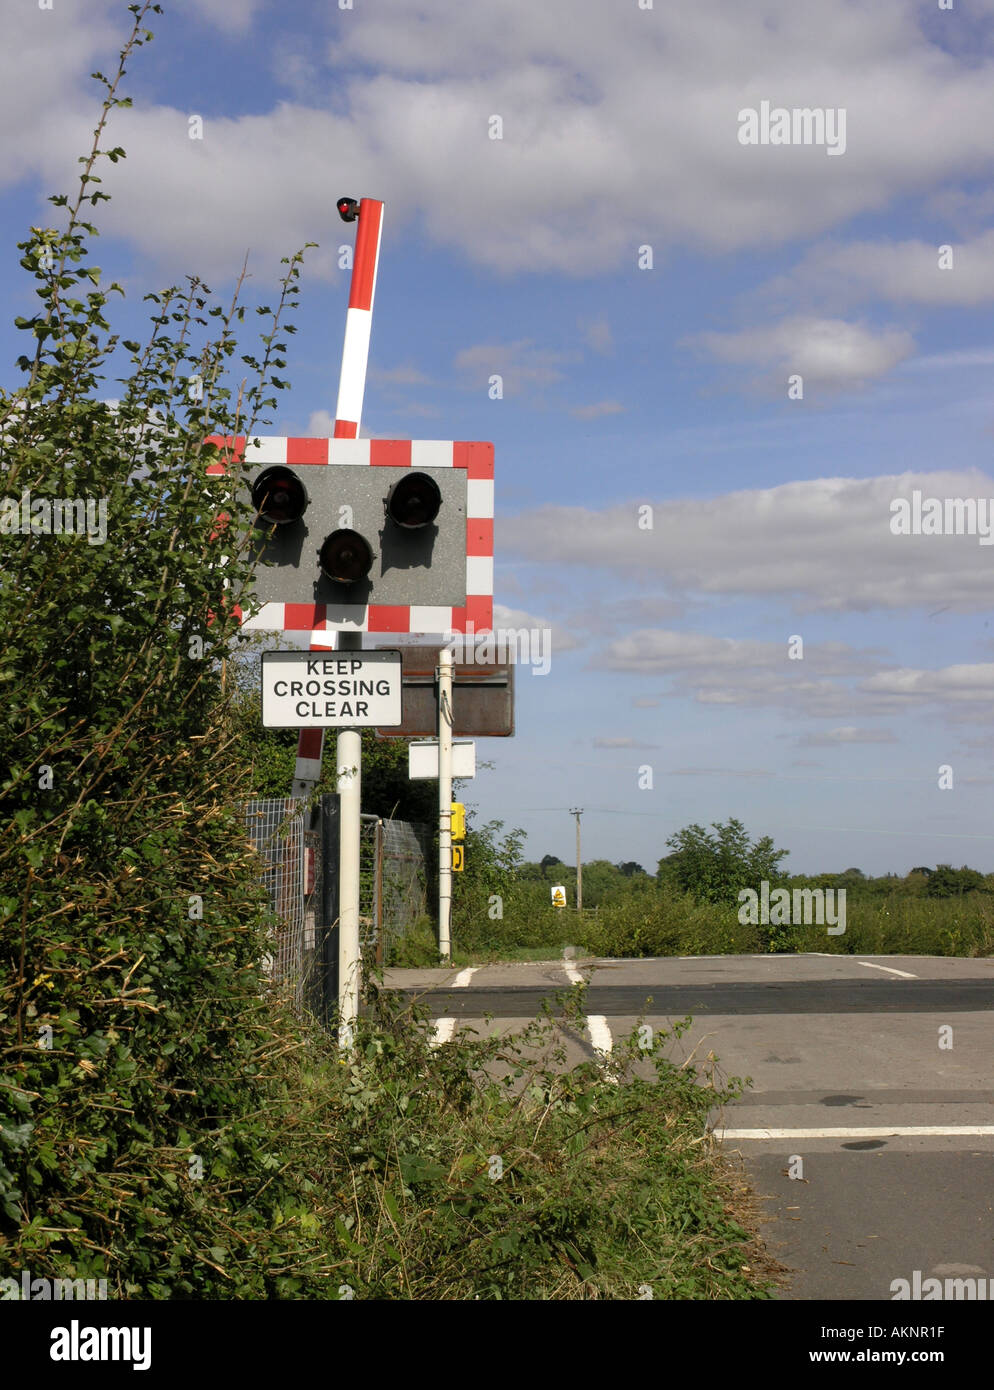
{"x":361,"y":535}
{"x":355,"y":536}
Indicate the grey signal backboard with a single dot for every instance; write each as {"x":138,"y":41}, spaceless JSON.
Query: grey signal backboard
{"x":424,"y":566}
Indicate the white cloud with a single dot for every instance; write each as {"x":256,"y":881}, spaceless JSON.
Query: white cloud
{"x":45,"y":61}
{"x":406,"y":374}
{"x":955,"y":360}
{"x":622,"y":741}
{"x":901,"y":272}
{"x":320,"y":425}
{"x":597,"y":410}
{"x":822,"y":544}
{"x":562,"y":639}
{"x":233,"y":17}
{"x":954,"y":683}
{"x":720,"y":772}
{"x":827,"y":352}
{"x":520,"y":364}
{"x":847,"y":734}
{"x":620,"y":127}
{"x":597,"y":335}
{"x":831,"y":681}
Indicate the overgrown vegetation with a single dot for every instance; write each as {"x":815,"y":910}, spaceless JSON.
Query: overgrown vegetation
{"x":166,"y":1123}
{"x":691,"y":905}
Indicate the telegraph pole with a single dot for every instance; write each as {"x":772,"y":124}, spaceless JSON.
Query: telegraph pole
{"x":578,"y":812}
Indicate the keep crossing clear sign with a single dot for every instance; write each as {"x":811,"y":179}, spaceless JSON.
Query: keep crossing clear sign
{"x":331,"y":690}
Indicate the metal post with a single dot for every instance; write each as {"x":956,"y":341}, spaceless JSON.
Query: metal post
{"x":445,"y":803}
{"x":351,"y":386}
{"x":330,"y":850}
{"x":310,"y":743}
{"x":378,"y":892}
{"x":579,"y":863}
{"x":349,"y":767}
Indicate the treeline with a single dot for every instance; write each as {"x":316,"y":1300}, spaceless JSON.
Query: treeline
{"x":604,"y":882}
{"x":691,"y":905}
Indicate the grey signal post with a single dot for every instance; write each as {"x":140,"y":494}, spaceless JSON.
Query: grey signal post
{"x":349,"y":772}
{"x":445,"y":803}
{"x":420,"y":561}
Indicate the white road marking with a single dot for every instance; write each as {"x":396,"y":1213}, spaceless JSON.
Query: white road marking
{"x":600,"y":1034}
{"x":903,"y":973}
{"x":572,"y":974}
{"x":870,"y":1132}
{"x":464,"y":977}
{"x":444,"y":1029}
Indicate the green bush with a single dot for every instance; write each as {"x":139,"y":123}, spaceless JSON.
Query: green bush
{"x":166,"y":1124}
{"x":134,"y":1143}
{"x":417,"y":947}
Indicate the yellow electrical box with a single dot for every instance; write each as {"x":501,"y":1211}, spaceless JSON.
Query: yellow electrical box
{"x":458,"y":859}
{"x":458,"y":821}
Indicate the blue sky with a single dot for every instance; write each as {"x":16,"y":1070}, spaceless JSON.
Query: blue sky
{"x":623,"y":387}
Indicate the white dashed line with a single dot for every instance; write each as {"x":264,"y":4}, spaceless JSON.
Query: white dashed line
{"x":884,"y":1131}
{"x":572,"y":974}
{"x":600,"y":1034}
{"x":444,"y":1029}
{"x":890,"y":971}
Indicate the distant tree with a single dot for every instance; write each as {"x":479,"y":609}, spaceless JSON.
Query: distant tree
{"x":547,"y":862}
{"x":922,"y":869}
{"x":852,"y":873}
{"x":947,"y":882}
{"x":601,"y":878}
{"x":630,"y":868}
{"x":715,"y":867}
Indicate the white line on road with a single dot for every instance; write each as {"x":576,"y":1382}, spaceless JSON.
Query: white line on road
{"x":572,"y":974}
{"x":444,"y":1029}
{"x":903,"y":973}
{"x":870,"y":1132}
{"x":600,"y":1033}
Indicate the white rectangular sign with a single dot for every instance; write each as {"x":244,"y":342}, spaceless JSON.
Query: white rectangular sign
{"x":331,"y":690}
{"x":422,"y":758}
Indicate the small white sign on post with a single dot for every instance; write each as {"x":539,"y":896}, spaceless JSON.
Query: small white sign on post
{"x":422,"y":758}
{"x":331,"y":690}
{"x":559,"y":896}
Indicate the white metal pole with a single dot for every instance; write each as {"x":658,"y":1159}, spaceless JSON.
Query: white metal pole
{"x":445,"y":803}
{"x":349,"y":747}
{"x":349,"y":768}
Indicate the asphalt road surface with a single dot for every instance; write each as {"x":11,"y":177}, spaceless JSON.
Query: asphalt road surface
{"x":868,"y":1129}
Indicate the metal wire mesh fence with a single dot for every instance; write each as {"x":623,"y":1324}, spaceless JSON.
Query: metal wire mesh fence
{"x":405,"y":861}
{"x":393,"y":867}
{"x":276,"y":829}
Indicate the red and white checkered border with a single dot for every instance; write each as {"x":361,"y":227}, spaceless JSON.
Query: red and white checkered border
{"x":478,"y":461}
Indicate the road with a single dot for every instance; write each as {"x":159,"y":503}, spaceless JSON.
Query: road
{"x":868,"y":1130}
